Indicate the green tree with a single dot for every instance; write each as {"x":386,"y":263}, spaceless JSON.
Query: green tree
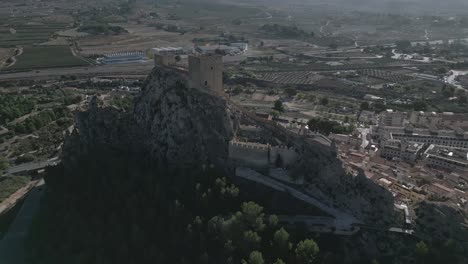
{"x":324,"y":101}
{"x":420,"y":106}
{"x":252,"y":240}
{"x":281,"y":240}
{"x":273,"y":221}
{"x":364,"y":106}
{"x":306,"y":251}
{"x":278,"y":106}
{"x":256,"y":258}
{"x":279,"y":261}
{"x":403,"y":45}
{"x":253,"y":215}
{"x":4,"y":164}
{"x":421,"y":251}
{"x":290,"y":91}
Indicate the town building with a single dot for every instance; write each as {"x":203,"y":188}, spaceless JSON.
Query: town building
{"x":450,"y":138}
{"x":396,"y":149}
{"x":368,"y":117}
{"x":438,"y":120}
{"x":392,"y":118}
{"x":452,"y":159}
{"x":346,"y":139}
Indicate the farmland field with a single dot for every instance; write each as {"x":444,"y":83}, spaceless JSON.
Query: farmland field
{"x":46,"y":57}
{"x":28,"y":34}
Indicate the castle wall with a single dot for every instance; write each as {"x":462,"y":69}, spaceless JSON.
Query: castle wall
{"x":164,"y":59}
{"x":288,"y":156}
{"x":252,"y":154}
{"x":260,"y":155}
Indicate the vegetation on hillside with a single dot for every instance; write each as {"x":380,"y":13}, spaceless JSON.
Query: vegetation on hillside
{"x":101,"y":29}
{"x":122,"y":210}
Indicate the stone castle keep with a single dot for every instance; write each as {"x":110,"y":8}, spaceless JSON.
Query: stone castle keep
{"x":205,"y":72}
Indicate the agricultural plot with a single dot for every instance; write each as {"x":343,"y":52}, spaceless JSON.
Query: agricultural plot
{"x":386,"y":75}
{"x":46,"y":57}
{"x":28,"y":34}
{"x":207,"y":10}
{"x":299,"y":77}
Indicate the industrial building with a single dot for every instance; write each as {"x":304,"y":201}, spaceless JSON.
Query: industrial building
{"x":123,"y":57}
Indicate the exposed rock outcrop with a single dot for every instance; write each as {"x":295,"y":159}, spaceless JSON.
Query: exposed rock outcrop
{"x":170,"y":123}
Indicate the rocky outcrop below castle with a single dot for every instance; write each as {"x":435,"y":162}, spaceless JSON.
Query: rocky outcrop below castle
{"x":170,"y":123}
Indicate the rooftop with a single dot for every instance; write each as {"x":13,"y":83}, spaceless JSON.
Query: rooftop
{"x":455,"y":154}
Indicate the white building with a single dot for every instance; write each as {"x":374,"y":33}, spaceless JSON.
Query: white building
{"x":168,"y":51}
{"x":453,"y":159}
{"x":402,"y":150}
{"x":449,"y":138}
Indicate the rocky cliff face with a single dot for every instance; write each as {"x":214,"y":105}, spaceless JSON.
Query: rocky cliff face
{"x":182,"y":124}
{"x":171,"y":123}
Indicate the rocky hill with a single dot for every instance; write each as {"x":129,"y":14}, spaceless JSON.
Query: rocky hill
{"x":174,"y":124}
{"x":170,"y":123}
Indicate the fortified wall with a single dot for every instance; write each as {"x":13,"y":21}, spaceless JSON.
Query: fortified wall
{"x":261,"y":155}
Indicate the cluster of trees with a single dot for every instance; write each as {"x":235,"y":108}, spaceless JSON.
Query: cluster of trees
{"x":98,"y":28}
{"x":60,"y":114}
{"x":4,"y":164}
{"x":245,"y":236}
{"x":450,"y":91}
{"x":443,"y":252}
{"x":14,"y":106}
{"x":286,"y":31}
{"x":123,"y":102}
{"x":116,"y":208}
{"x":326,"y":127}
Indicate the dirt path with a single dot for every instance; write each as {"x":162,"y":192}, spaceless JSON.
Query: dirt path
{"x":11,"y":201}
{"x":18,"y":52}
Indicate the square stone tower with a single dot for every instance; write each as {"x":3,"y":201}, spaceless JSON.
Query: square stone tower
{"x":206,"y":72}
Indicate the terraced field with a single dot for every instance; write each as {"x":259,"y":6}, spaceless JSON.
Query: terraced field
{"x":386,"y":75}
{"x":293,"y":77}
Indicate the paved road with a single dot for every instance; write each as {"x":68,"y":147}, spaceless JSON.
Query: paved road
{"x":343,"y":221}
{"x":130,"y":68}
{"x":32,"y":166}
{"x":12,"y":249}
{"x":319,"y":224}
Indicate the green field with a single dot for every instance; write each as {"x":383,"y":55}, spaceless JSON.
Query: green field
{"x":200,"y":10}
{"x":28,"y":34}
{"x":10,"y":184}
{"x":46,"y":57}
